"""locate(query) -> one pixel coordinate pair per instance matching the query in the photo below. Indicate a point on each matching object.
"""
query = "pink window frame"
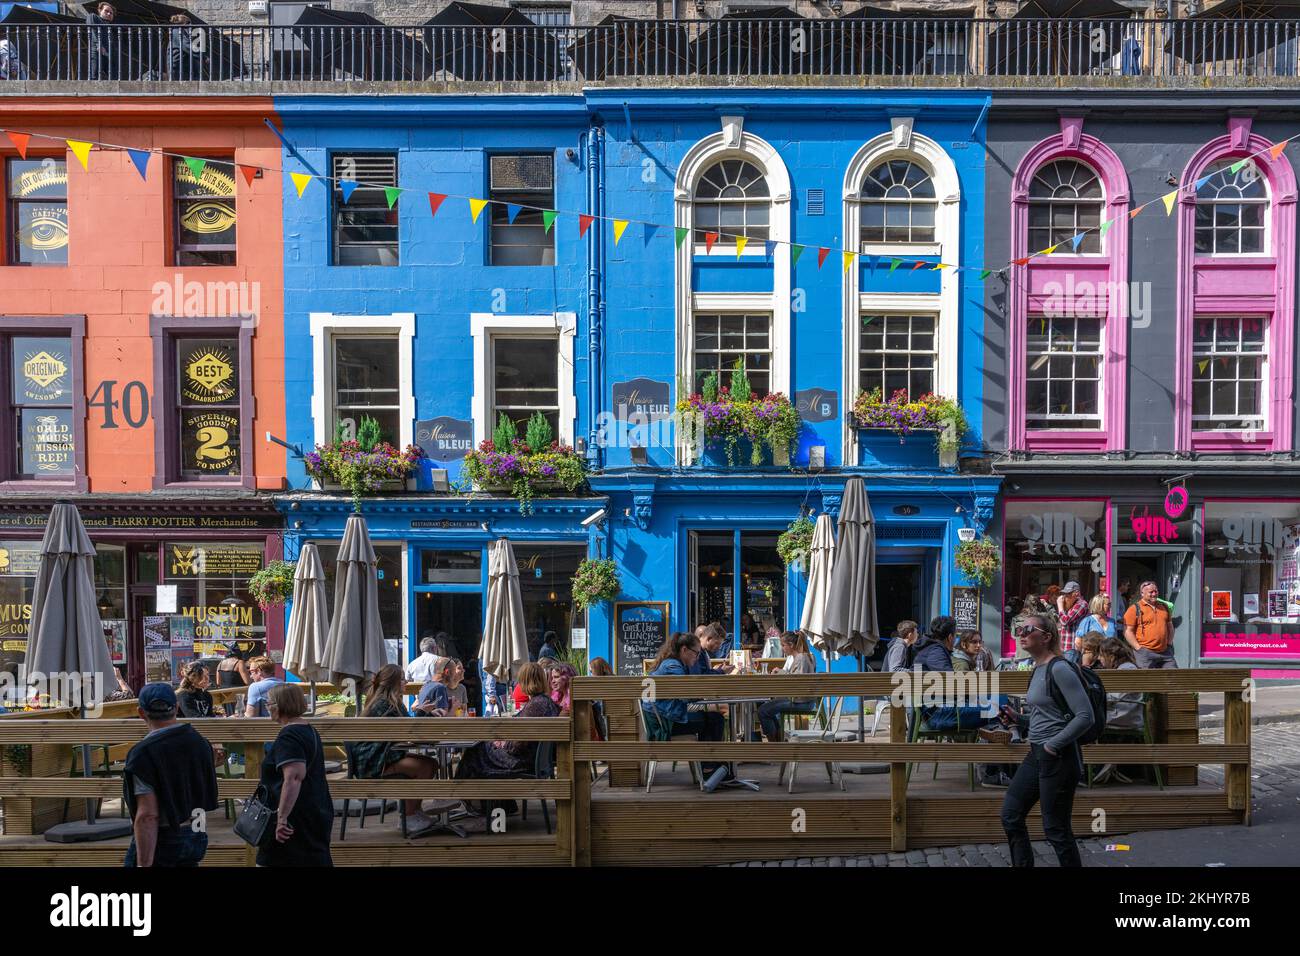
(1261, 286)
(1111, 267)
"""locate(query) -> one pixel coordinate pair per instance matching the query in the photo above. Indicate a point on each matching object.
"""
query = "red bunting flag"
(250, 173)
(918, 265)
(584, 223)
(1275, 151)
(1133, 215)
(436, 200)
(1020, 262)
(20, 141)
(822, 253)
(709, 239)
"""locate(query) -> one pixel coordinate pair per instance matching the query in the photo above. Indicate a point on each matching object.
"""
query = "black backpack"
(1096, 691)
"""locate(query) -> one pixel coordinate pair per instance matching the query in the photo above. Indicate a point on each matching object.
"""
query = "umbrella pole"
(85, 771)
(862, 703)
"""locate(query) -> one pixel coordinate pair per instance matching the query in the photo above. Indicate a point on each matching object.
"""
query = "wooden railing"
(610, 823)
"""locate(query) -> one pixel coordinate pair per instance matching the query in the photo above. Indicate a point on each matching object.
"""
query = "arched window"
(898, 203)
(732, 199)
(1065, 199)
(1231, 210)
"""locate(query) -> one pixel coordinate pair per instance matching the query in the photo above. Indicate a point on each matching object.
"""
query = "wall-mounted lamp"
(817, 458)
(439, 480)
(297, 451)
(639, 456)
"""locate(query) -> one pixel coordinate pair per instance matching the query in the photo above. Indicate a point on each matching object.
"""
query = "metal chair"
(825, 733)
(955, 735)
(543, 769)
(383, 803)
(697, 776)
(1140, 735)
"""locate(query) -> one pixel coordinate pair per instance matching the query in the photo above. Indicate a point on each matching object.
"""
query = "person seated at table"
(905, 635)
(560, 676)
(934, 652)
(1123, 711)
(549, 648)
(673, 717)
(456, 689)
(713, 646)
(968, 654)
(1086, 650)
(599, 667)
(420, 668)
(434, 699)
(374, 759)
(751, 635)
(511, 758)
(798, 660)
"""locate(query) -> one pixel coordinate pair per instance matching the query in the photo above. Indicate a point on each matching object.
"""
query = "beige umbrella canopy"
(66, 635)
(505, 640)
(355, 647)
(851, 605)
(305, 642)
(821, 561)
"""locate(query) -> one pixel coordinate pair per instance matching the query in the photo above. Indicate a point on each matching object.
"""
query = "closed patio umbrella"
(518, 49)
(821, 561)
(66, 647)
(851, 606)
(1051, 38)
(775, 41)
(625, 46)
(304, 644)
(369, 51)
(48, 45)
(505, 639)
(1238, 30)
(355, 646)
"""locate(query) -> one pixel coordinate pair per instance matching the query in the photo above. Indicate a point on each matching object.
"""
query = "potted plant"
(904, 417)
(273, 584)
(795, 542)
(730, 414)
(596, 581)
(363, 464)
(526, 465)
(979, 560)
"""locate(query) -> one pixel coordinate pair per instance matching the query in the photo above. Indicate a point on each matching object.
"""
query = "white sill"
(902, 248)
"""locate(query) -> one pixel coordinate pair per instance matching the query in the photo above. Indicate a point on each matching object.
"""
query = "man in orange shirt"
(1149, 629)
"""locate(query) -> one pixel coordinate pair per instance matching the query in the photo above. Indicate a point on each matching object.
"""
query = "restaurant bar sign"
(641, 401)
(215, 560)
(639, 630)
(818, 404)
(445, 439)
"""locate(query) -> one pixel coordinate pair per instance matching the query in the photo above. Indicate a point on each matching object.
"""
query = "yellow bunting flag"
(938, 266)
(1203, 365)
(1168, 199)
(81, 150)
(476, 207)
(741, 243)
(300, 181)
(1048, 251)
(848, 260)
(619, 226)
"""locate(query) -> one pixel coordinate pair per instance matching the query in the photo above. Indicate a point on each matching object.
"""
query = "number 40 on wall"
(134, 403)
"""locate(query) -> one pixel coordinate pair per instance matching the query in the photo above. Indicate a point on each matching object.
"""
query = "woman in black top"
(379, 758)
(192, 697)
(293, 776)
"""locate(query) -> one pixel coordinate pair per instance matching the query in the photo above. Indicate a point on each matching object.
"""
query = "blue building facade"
(723, 219)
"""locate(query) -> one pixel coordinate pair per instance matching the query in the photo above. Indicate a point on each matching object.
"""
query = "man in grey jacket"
(1050, 773)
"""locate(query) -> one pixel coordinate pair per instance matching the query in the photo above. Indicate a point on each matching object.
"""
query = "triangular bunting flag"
(619, 226)
(584, 223)
(1077, 240)
(985, 273)
(1105, 227)
(476, 208)
(1133, 214)
(549, 217)
(20, 141)
(81, 150)
(870, 261)
(512, 210)
(196, 166)
(1020, 262)
(250, 173)
(796, 251)
(769, 247)
(848, 260)
(347, 187)
(391, 193)
(1169, 199)
(1203, 365)
(1277, 150)
(141, 159)
(435, 200)
(1202, 181)
(300, 181)
(1236, 167)
(681, 234)
(709, 239)
(1048, 251)
(741, 243)
(894, 264)
(822, 253)
(918, 264)
(938, 266)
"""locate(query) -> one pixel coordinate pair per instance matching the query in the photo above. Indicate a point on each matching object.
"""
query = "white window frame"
(1102, 352)
(902, 143)
(1267, 203)
(731, 141)
(324, 327)
(1104, 202)
(1265, 384)
(485, 326)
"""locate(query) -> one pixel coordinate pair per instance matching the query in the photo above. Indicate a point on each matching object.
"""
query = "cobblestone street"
(1273, 839)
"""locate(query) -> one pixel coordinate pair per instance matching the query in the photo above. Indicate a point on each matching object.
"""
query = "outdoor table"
(745, 710)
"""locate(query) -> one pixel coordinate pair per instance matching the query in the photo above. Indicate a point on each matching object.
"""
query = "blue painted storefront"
(626, 149)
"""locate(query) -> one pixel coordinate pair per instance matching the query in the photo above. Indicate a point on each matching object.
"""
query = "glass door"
(455, 619)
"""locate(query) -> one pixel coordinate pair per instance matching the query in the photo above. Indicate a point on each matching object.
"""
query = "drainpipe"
(594, 159)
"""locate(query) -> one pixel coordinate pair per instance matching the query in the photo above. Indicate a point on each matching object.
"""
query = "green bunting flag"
(196, 166)
(1236, 167)
(985, 273)
(548, 219)
(391, 193)
(681, 234)
(894, 264)
(1105, 227)
(795, 252)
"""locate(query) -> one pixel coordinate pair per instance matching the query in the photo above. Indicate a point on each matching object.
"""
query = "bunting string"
(140, 158)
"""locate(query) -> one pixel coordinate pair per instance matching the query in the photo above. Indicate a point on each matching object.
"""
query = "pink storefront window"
(1067, 348)
(1236, 297)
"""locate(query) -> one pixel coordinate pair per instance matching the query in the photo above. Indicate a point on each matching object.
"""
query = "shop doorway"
(737, 578)
(898, 597)
(459, 615)
(1170, 570)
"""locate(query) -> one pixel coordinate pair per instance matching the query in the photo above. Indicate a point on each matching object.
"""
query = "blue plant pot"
(882, 450)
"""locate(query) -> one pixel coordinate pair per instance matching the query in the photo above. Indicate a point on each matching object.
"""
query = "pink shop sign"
(1282, 641)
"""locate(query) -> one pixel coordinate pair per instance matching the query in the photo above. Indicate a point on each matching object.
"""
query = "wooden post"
(253, 753)
(897, 783)
(624, 722)
(580, 832)
(1236, 730)
(564, 770)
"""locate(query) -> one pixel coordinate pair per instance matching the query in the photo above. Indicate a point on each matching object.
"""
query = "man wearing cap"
(169, 784)
(1071, 609)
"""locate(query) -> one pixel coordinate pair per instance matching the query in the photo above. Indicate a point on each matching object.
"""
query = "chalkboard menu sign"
(639, 630)
(966, 608)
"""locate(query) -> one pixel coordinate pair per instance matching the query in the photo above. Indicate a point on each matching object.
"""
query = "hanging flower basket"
(979, 560)
(596, 581)
(273, 584)
(795, 542)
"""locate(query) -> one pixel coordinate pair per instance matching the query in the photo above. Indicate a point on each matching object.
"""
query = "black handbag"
(254, 818)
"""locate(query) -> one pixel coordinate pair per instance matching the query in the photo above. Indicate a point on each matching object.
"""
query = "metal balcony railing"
(696, 52)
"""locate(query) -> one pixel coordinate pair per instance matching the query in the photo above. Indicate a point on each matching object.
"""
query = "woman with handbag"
(293, 787)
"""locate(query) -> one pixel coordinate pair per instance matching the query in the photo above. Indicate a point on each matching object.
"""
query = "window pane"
(204, 213)
(38, 211)
(207, 371)
(42, 370)
(526, 181)
(210, 442)
(526, 379)
(47, 443)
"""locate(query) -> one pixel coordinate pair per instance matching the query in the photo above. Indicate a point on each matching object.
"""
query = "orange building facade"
(142, 349)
